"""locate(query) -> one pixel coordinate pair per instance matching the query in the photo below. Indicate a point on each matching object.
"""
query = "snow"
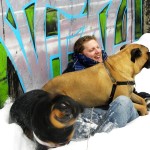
(142, 81)
(133, 136)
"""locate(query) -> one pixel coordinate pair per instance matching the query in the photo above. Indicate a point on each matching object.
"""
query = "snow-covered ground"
(134, 135)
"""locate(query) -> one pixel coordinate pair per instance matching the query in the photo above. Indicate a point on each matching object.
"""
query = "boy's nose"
(97, 50)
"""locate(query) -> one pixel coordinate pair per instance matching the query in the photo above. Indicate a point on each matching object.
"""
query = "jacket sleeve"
(69, 68)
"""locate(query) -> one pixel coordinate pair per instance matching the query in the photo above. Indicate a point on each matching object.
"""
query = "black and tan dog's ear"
(135, 53)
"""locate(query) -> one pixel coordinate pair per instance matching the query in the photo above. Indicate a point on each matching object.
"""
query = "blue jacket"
(80, 62)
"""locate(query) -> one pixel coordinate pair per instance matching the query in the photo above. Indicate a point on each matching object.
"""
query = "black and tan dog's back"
(44, 118)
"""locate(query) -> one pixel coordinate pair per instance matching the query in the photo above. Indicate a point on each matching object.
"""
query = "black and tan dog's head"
(49, 118)
(54, 118)
(140, 55)
(64, 110)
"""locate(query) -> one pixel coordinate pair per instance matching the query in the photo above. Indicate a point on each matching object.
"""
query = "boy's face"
(92, 50)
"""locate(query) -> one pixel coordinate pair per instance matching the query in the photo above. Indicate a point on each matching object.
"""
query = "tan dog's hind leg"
(139, 104)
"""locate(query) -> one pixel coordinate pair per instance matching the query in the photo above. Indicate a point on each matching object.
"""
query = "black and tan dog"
(47, 119)
(95, 86)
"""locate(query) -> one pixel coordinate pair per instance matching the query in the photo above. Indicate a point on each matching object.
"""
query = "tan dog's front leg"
(141, 109)
(139, 104)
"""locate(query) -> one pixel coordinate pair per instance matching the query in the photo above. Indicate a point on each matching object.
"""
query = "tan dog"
(92, 86)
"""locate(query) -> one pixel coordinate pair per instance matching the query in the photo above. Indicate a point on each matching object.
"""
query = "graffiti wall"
(37, 36)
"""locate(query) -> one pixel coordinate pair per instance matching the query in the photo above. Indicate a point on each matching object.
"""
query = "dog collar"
(115, 84)
(50, 144)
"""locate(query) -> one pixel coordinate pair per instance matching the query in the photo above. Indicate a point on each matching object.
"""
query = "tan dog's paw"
(143, 110)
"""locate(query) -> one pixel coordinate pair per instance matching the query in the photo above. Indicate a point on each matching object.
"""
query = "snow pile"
(132, 136)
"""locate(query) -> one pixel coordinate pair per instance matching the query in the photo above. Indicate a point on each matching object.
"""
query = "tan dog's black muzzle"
(147, 64)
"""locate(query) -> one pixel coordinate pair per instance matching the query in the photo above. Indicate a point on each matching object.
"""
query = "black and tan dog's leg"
(139, 104)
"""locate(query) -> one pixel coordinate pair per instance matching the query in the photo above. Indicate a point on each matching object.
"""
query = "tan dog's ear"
(135, 53)
(123, 46)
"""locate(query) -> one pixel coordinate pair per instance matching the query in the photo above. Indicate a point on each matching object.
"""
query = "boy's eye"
(91, 50)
